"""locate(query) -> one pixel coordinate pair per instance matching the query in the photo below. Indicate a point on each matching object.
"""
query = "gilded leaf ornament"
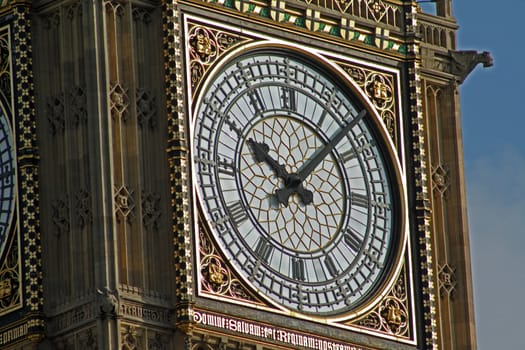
(10, 293)
(217, 277)
(206, 46)
(379, 87)
(391, 316)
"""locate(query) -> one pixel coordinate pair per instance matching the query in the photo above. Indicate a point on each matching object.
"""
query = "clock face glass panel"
(7, 180)
(294, 183)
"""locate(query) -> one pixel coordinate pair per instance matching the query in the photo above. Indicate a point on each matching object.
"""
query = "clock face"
(294, 184)
(7, 180)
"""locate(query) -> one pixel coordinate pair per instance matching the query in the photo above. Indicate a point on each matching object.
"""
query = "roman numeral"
(327, 106)
(288, 99)
(323, 116)
(225, 166)
(352, 240)
(354, 152)
(264, 249)
(359, 199)
(349, 155)
(330, 265)
(256, 101)
(298, 269)
(233, 125)
(237, 213)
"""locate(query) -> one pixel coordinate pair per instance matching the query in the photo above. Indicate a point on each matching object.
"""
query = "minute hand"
(320, 154)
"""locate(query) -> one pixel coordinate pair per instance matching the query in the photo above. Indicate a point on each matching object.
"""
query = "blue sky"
(494, 145)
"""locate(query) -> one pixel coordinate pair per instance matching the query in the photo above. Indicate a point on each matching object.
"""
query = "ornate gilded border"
(422, 211)
(27, 158)
(382, 90)
(354, 21)
(217, 278)
(206, 45)
(177, 150)
(393, 316)
(10, 264)
(30, 322)
(27, 153)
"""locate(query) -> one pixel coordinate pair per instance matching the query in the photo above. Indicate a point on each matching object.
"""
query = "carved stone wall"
(105, 189)
(449, 218)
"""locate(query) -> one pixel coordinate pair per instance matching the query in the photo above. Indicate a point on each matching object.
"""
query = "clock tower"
(233, 174)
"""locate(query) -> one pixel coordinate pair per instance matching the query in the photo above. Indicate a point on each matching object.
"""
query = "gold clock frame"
(349, 70)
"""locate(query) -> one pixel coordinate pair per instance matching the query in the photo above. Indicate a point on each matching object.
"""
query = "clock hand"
(260, 151)
(284, 193)
(321, 153)
(291, 182)
(294, 182)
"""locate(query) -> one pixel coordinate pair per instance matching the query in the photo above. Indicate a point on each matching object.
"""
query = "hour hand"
(293, 184)
(284, 194)
(260, 152)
